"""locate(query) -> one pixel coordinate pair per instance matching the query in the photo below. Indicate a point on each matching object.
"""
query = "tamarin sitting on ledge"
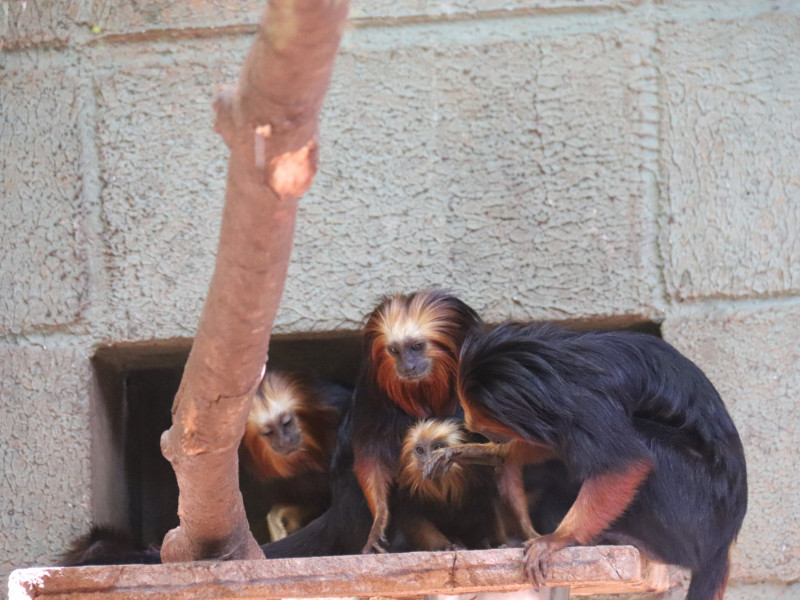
(411, 349)
(639, 425)
(287, 447)
(459, 510)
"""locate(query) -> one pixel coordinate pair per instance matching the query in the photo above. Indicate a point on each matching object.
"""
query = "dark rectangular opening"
(134, 486)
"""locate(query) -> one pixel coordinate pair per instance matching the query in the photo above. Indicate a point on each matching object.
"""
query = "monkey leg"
(425, 536)
(512, 490)
(375, 481)
(600, 501)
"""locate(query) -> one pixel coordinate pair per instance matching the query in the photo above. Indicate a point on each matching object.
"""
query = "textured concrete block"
(43, 272)
(163, 170)
(731, 180)
(752, 356)
(114, 17)
(44, 453)
(763, 591)
(444, 8)
(511, 169)
(128, 17)
(24, 23)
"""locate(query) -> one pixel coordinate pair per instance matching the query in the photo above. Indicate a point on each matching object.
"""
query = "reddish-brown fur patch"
(600, 501)
(427, 316)
(375, 483)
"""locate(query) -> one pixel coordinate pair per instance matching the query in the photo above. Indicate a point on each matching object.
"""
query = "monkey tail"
(709, 581)
(105, 545)
(330, 534)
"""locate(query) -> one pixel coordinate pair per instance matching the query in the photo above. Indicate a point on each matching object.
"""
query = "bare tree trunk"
(270, 122)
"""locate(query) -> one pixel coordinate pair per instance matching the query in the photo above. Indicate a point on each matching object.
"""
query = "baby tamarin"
(460, 509)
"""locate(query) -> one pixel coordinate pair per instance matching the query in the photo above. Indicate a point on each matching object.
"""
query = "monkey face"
(424, 449)
(474, 421)
(273, 416)
(282, 433)
(410, 359)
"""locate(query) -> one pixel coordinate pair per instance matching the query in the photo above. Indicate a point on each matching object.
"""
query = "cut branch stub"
(290, 174)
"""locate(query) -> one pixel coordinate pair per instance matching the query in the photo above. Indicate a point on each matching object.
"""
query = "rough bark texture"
(269, 121)
(586, 570)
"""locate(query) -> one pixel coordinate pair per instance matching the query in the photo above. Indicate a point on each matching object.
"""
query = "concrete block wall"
(608, 161)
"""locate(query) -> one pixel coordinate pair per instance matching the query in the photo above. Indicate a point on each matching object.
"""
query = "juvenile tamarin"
(640, 426)
(411, 348)
(460, 509)
(288, 443)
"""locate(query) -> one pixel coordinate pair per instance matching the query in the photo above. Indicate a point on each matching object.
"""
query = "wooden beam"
(586, 570)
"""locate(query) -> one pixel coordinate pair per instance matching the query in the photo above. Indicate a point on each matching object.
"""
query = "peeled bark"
(269, 120)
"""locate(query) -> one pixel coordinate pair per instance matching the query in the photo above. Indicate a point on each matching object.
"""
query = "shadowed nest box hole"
(133, 485)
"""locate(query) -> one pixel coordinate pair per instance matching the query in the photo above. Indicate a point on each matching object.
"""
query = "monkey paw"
(439, 464)
(537, 551)
(375, 546)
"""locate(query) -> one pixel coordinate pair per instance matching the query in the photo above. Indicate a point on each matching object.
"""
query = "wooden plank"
(586, 570)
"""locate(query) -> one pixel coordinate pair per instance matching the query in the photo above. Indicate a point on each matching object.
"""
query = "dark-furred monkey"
(639, 425)
(411, 348)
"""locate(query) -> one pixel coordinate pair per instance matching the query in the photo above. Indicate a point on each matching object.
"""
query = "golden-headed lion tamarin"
(637, 424)
(288, 443)
(291, 426)
(459, 509)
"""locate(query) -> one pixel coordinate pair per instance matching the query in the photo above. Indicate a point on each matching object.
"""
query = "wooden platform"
(586, 570)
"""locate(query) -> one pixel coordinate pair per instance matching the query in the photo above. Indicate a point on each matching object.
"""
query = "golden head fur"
(438, 321)
(421, 439)
(284, 397)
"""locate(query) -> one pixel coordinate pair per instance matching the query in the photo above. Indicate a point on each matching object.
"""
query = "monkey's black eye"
(419, 450)
(438, 445)
(417, 346)
(392, 350)
(286, 419)
(267, 432)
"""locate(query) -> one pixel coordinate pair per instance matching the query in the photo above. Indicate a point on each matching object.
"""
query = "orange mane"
(443, 322)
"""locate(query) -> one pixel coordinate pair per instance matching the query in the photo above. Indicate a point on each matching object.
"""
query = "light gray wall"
(610, 161)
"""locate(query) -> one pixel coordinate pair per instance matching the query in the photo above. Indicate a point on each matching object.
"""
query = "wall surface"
(612, 161)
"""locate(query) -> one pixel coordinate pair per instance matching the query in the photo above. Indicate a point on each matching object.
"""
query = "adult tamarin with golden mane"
(288, 443)
(461, 509)
(411, 348)
(639, 425)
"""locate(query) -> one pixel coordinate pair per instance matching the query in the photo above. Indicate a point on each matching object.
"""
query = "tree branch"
(269, 120)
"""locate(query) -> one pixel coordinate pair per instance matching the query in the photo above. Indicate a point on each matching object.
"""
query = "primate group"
(463, 435)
